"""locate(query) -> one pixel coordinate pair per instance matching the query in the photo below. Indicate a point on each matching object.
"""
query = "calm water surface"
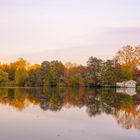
(69, 114)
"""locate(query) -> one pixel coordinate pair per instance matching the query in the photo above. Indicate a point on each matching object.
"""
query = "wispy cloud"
(124, 30)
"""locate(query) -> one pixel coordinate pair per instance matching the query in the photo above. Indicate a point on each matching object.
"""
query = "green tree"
(108, 75)
(94, 69)
(52, 72)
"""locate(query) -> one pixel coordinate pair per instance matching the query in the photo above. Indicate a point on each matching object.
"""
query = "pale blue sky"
(68, 30)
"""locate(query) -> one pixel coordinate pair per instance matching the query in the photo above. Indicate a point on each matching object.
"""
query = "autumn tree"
(3, 78)
(129, 56)
(21, 73)
(137, 54)
(71, 74)
(34, 78)
(129, 59)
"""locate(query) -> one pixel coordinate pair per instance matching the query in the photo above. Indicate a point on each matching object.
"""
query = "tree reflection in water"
(124, 108)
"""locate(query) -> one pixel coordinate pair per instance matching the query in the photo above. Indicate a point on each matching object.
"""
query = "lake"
(68, 114)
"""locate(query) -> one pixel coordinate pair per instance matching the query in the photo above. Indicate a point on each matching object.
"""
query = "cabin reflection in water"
(130, 91)
(123, 107)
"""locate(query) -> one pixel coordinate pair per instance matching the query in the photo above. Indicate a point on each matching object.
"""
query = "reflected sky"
(59, 114)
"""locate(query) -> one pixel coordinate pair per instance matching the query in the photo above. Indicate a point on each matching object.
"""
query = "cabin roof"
(131, 81)
(128, 81)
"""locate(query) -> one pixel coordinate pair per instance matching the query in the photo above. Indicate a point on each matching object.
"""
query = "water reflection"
(130, 91)
(123, 107)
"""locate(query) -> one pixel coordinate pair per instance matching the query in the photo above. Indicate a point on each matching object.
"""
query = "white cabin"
(127, 84)
(120, 84)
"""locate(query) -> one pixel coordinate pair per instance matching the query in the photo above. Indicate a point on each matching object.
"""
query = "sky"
(67, 30)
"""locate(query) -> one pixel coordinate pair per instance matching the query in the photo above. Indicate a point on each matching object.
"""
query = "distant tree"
(119, 74)
(3, 78)
(129, 56)
(83, 75)
(137, 54)
(94, 69)
(127, 72)
(137, 75)
(21, 77)
(52, 72)
(75, 75)
(56, 72)
(124, 66)
(108, 75)
(129, 59)
(34, 78)
(44, 72)
(21, 74)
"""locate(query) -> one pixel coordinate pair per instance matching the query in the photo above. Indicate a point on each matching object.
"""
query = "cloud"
(124, 30)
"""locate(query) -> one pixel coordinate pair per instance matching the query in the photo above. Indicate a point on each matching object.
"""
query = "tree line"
(124, 66)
